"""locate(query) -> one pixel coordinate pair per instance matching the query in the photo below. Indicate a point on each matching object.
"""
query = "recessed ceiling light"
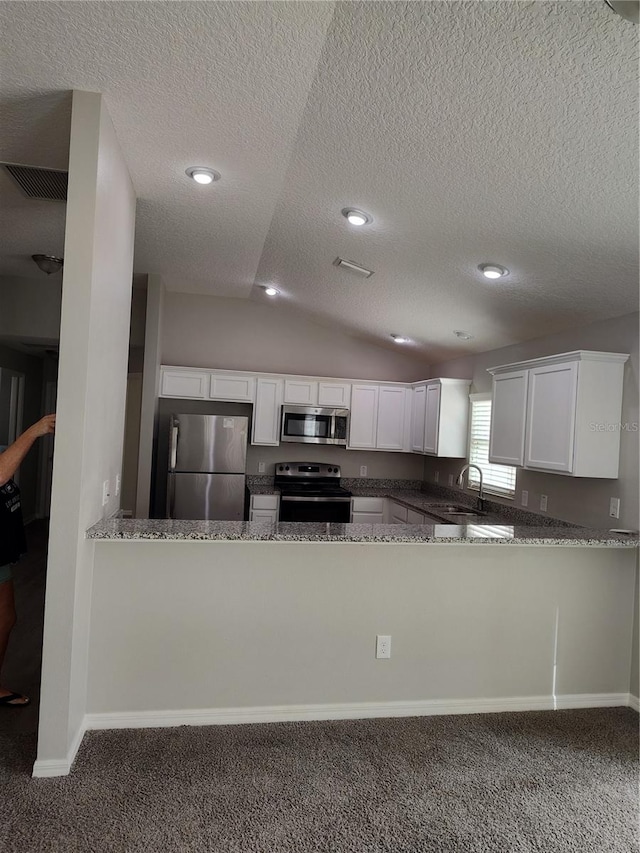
(399, 339)
(271, 291)
(356, 217)
(201, 175)
(493, 270)
(464, 336)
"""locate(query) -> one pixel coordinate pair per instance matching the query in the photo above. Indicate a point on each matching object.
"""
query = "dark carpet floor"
(563, 782)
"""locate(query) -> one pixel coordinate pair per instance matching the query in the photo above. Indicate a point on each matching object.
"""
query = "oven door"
(296, 508)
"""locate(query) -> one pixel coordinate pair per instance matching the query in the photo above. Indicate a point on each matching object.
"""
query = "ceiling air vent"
(39, 183)
(353, 267)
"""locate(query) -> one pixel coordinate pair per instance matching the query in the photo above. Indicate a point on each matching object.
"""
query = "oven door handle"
(313, 499)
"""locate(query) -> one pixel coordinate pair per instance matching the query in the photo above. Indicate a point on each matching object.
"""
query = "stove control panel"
(310, 470)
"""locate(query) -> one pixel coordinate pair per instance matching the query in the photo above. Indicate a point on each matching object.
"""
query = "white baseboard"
(349, 711)
(60, 766)
(634, 702)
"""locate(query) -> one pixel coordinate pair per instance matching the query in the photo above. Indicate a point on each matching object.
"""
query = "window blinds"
(496, 478)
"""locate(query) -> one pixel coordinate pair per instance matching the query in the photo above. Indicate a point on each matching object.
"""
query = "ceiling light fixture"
(201, 175)
(353, 267)
(464, 336)
(356, 217)
(48, 263)
(493, 270)
(271, 291)
(399, 339)
(628, 9)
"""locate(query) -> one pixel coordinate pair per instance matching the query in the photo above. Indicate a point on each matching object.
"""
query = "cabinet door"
(418, 411)
(367, 518)
(240, 388)
(508, 418)
(397, 513)
(432, 419)
(551, 413)
(183, 383)
(414, 517)
(301, 392)
(363, 423)
(335, 395)
(391, 418)
(266, 412)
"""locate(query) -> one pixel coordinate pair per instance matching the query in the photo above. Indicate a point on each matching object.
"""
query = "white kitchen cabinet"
(366, 510)
(508, 417)
(414, 517)
(446, 419)
(264, 508)
(380, 417)
(301, 392)
(418, 412)
(572, 413)
(232, 387)
(188, 384)
(334, 395)
(397, 513)
(266, 412)
(363, 423)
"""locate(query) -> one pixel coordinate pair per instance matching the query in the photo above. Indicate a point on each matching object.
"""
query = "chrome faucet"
(460, 482)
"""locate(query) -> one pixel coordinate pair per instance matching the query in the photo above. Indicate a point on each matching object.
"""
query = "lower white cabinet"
(414, 517)
(367, 510)
(266, 412)
(397, 513)
(264, 508)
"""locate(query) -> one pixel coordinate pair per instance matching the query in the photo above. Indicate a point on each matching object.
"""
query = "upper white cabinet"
(418, 411)
(191, 384)
(334, 395)
(232, 387)
(559, 414)
(301, 392)
(266, 412)
(380, 417)
(446, 417)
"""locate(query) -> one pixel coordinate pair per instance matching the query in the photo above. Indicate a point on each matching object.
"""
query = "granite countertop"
(120, 529)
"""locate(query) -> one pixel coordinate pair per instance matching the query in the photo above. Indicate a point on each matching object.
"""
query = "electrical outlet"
(525, 498)
(117, 484)
(614, 508)
(451, 480)
(363, 470)
(436, 476)
(105, 493)
(261, 467)
(383, 646)
(543, 503)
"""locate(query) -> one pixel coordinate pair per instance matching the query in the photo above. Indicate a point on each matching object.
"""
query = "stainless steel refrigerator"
(207, 462)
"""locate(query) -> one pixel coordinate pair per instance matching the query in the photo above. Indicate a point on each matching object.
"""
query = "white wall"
(224, 625)
(581, 500)
(239, 334)
(30, 307)
(94, 334)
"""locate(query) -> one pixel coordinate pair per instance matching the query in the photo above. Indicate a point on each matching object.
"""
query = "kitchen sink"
(453, 509)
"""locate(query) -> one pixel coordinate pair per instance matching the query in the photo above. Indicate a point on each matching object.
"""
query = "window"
(500, 479)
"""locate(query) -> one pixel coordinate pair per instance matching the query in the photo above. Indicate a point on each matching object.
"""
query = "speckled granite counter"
(167, 529)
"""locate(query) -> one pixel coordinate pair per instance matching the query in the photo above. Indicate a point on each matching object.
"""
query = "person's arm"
(11, 458)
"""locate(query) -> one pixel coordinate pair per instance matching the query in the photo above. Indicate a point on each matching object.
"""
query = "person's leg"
(7, 621)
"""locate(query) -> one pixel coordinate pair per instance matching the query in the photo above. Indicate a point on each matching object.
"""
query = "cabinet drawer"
(265, 501)
(367, 518)
(264, 515)
(367, 504)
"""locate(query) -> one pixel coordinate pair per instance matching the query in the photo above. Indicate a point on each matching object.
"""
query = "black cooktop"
(314, 490)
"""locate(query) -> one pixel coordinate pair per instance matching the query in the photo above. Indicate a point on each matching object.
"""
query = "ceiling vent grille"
(36, 182)
(353, 267)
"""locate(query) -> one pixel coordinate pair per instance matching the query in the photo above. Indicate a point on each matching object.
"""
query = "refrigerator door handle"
(173, 455)
(171, 495)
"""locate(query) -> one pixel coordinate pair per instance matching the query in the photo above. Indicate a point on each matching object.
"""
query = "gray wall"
(32, 369)
(30, 307)
(238, 334)
(583, 501)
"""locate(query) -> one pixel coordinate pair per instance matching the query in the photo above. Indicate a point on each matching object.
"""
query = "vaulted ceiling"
(470, 131)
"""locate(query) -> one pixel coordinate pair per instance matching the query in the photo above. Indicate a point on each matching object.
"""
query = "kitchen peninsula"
(241, 622)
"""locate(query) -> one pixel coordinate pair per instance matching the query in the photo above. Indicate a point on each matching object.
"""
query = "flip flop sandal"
(8, 701)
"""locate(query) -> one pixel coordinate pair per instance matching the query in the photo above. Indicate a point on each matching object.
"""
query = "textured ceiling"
(471, 131)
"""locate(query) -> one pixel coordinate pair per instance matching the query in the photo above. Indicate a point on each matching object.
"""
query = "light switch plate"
(614, 508)
(543, 503)
(261, 467)
(525, 498)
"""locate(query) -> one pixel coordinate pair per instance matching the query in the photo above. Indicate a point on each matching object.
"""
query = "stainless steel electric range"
(311, 491)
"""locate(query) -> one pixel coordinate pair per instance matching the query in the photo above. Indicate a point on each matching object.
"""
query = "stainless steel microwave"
(308, 425)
